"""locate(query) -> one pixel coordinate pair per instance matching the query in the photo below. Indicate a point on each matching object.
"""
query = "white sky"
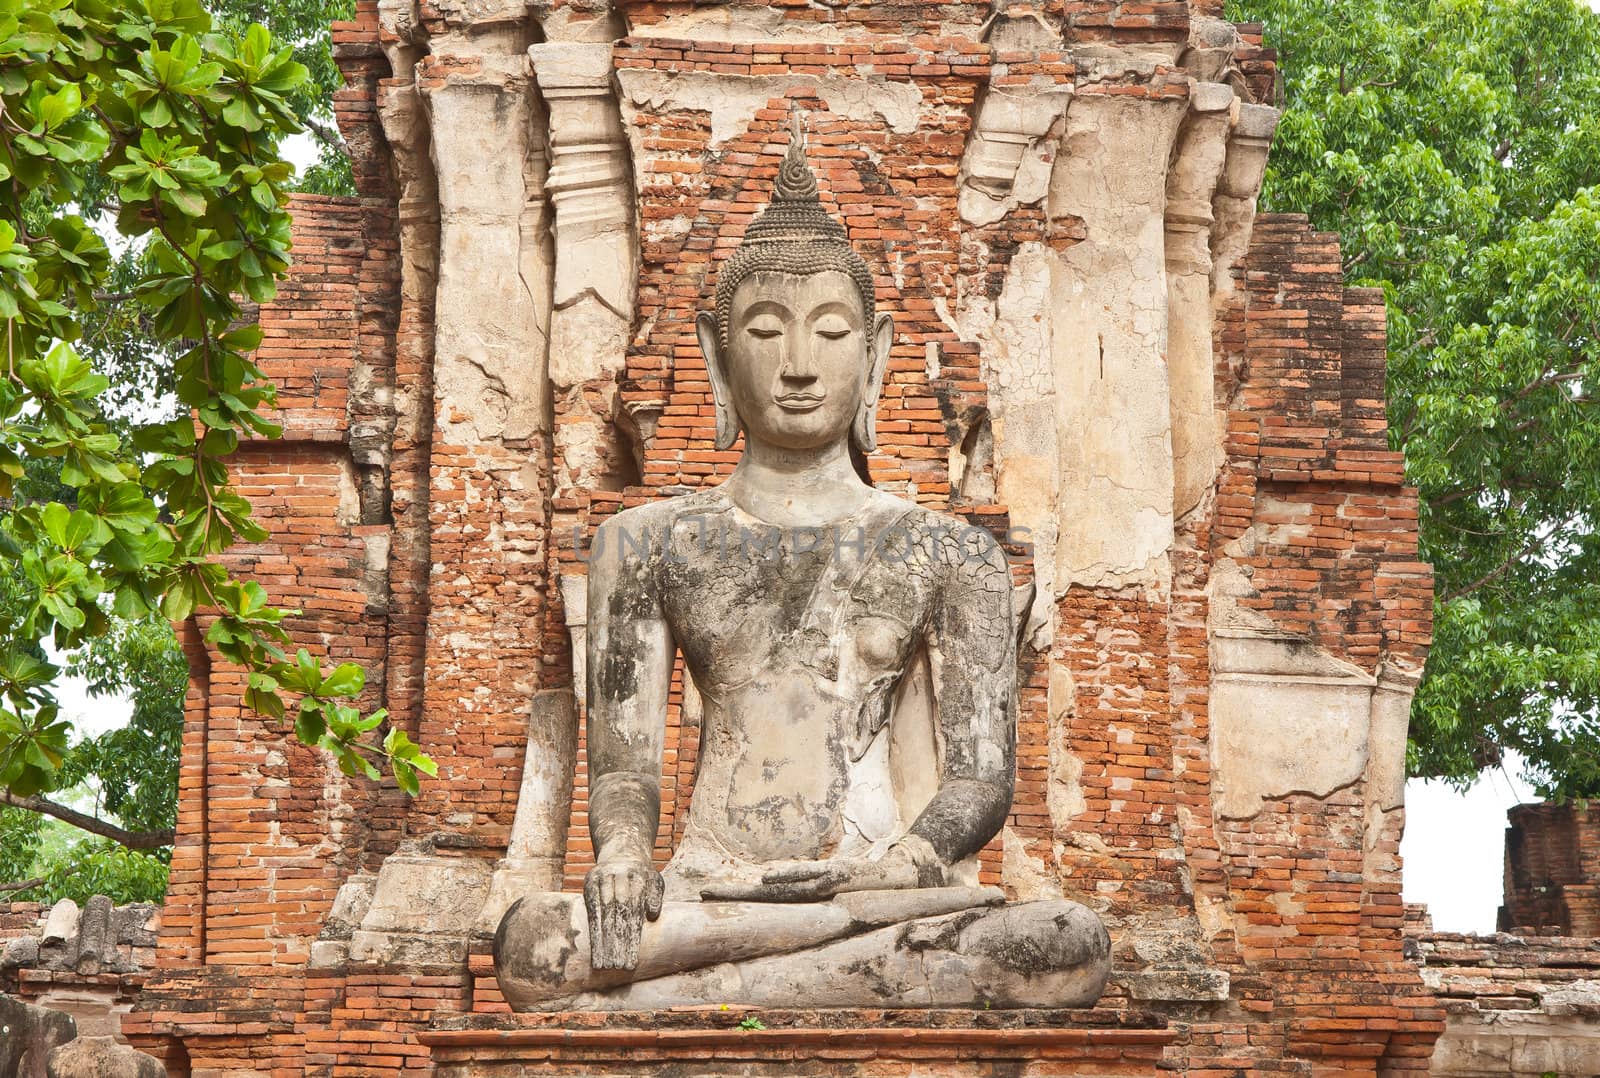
(1454, 847)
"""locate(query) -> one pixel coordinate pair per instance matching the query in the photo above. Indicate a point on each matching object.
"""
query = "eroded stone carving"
(1288, 717)
(28, 1035)
(1197, 163)
(101, 1057)
(1108, 303)
(855, 656)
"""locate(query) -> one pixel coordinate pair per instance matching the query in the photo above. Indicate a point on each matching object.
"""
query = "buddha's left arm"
(972, 652)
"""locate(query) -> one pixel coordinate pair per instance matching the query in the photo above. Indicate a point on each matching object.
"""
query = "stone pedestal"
(836, 1044)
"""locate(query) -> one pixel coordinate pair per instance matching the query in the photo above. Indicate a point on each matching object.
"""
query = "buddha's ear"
(865, 427)
(711, 347)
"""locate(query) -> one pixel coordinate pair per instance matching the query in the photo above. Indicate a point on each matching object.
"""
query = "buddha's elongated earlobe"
(711, 347)
(864, 431)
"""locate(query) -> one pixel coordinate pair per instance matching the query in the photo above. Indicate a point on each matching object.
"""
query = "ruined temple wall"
(1515, 1005)
(491, 350)
(89, 963)
(1552, 866)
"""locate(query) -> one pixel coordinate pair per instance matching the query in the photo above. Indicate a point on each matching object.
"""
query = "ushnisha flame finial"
(795, 214)
(796, 181)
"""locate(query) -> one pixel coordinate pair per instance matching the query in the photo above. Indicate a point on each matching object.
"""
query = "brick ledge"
(810, 1036)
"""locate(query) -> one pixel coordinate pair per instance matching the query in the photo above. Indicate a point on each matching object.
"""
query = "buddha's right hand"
(620, 895)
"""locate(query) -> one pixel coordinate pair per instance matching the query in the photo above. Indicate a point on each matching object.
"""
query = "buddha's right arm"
(630, 652)
(624, 810)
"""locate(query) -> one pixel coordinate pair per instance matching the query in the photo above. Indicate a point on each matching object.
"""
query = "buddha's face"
(801, 362)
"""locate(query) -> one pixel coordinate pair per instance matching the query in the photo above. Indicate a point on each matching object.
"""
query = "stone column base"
(818, 1044)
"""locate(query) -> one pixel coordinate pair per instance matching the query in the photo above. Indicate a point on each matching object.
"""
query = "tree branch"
(1495, 572)
(37, 881)
(324, 134)
(1454, 496)
(133, 840)
(1542, 382)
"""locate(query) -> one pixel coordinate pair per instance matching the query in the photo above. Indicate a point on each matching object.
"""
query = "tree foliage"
(146, 112)
(1456, 146)
(130, 772)
(305, 26)
(118, 339)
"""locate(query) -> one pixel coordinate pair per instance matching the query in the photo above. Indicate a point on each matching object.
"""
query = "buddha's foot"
(1035, 954)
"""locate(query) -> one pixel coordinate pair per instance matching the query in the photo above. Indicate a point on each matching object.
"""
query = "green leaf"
(311, 724)
(347, 679)
(310, 672)
(57, 108)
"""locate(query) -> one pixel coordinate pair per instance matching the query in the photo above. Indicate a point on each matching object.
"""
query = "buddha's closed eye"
(833, 328)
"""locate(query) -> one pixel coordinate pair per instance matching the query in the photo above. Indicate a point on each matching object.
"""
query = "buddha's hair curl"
(793, 235)
(801, 258)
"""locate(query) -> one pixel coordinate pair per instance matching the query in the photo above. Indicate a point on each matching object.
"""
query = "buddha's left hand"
(815, 881)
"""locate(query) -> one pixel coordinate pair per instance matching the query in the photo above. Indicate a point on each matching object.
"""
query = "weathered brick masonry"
(1516, 1006)
(89, 963)
(1552, 877)
(1099, 350)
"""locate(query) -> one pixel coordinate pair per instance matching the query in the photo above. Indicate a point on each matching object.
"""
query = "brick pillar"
(1552, 875)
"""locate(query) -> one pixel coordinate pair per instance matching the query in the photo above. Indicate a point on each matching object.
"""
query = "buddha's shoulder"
(951, 544)
(665, 512)
(915, 515)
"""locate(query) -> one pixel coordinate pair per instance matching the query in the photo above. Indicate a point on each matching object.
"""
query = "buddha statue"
(854, 656)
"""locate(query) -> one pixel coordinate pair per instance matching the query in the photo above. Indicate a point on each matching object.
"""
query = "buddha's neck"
(796, 488)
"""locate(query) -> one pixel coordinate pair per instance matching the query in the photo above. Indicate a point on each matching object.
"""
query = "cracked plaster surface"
(732, 100)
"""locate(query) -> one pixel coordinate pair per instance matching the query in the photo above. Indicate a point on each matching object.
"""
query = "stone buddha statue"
(855, 659)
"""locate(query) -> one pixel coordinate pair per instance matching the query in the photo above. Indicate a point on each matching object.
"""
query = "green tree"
(117, 337)
(305, 25)
(120, 844)
(1456, 146)
(147, 111)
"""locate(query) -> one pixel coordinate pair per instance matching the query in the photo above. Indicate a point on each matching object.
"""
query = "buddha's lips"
(798, 402)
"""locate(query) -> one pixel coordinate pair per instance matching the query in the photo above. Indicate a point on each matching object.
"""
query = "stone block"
(102, 1057)
(28, 1035)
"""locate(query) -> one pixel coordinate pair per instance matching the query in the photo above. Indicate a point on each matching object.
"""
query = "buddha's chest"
(829, 617)
(797, 648)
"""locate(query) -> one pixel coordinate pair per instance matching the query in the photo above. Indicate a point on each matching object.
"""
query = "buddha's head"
(795, 348)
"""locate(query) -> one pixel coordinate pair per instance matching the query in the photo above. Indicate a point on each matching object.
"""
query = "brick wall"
(90, 963)
(1552, 875)
(1514, 1005)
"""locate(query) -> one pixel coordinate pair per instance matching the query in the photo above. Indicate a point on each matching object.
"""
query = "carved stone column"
(1201, 151)
(487, 491)
(589, 185)
(1234, 206)
(596, 264)
(537, 849)
(1002, 168)
(1109, 341)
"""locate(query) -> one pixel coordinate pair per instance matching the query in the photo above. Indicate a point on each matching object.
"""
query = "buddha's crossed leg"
(936, 947)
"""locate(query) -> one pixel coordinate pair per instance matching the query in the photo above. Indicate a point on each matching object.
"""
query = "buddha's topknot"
(794, 234)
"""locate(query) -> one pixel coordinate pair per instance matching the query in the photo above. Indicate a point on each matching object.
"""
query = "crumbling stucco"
(1108, 300)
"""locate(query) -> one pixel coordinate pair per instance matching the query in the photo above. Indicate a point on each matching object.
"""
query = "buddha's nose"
(799, 365)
